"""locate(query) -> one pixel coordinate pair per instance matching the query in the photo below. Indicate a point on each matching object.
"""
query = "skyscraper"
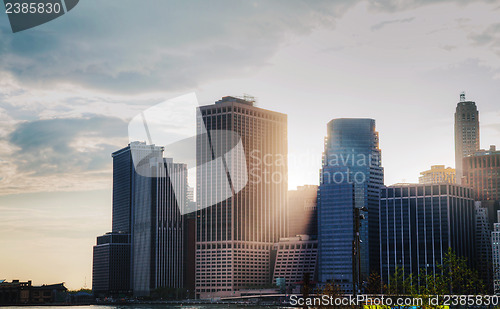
(145, 251)
(112, 253)
(466, 133)
(158, 227)
(418, 223)
(351, 178)
(235, 236)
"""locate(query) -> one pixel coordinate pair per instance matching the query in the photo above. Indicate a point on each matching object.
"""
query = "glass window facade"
(417, 230)
(351, 177)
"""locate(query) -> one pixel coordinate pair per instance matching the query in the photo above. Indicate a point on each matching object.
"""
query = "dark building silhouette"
(466, 133)
(23, 293)
(123, 177)
(146, 249)
(158, 228)
(483, 253)
(351, 178)
(302, 211)
(418, 223)
(111, 265)
(190, 254)
(112, 253)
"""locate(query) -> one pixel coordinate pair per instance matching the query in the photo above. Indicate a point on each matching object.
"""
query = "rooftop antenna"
(249, 98)
(462, 96)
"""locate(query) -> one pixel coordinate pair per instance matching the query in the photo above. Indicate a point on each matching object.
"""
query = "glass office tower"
(158, 227)
(418, 223)
(351, 178)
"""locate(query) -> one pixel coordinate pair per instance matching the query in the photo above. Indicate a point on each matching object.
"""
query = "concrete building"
(466, 133)
(350, 183)
(294, 257)
(495, 248)
(437, 174)
(235, 236)
(302, 211)
(418, 223)
(483, 257)
(482, 172)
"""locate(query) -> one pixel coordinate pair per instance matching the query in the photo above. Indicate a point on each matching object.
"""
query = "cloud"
(403, 5)
(67, 145)
(388, 22)
(123, 46)
(488, 36)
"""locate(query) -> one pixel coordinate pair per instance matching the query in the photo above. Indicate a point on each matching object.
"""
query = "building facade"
(294, 258)
(466, 133)
(235, 236)
(111, 265)
(495, 248)
(482, 172)
(418, 223)
(109, 254)
(351, 178)
(302, 211)
(146, 249)
(483, 257)
(158, 227)
(438, 174)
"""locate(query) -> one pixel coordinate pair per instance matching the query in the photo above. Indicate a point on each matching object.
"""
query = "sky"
(68, 89)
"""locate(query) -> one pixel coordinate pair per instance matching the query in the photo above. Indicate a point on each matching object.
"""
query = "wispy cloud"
(388, 22)
(489, 36)
(403, 5)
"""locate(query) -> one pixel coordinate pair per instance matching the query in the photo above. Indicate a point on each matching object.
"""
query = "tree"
(401, 283)
(458, 277)
(453, 276)
(333, 291)
(375, 284)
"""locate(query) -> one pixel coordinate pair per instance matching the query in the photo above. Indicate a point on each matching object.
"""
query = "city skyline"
(58, 126)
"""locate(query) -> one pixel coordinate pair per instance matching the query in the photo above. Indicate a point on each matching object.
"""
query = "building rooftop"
(248, 100)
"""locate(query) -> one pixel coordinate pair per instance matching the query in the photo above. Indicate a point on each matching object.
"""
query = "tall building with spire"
(235, 236)
(466, 133)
